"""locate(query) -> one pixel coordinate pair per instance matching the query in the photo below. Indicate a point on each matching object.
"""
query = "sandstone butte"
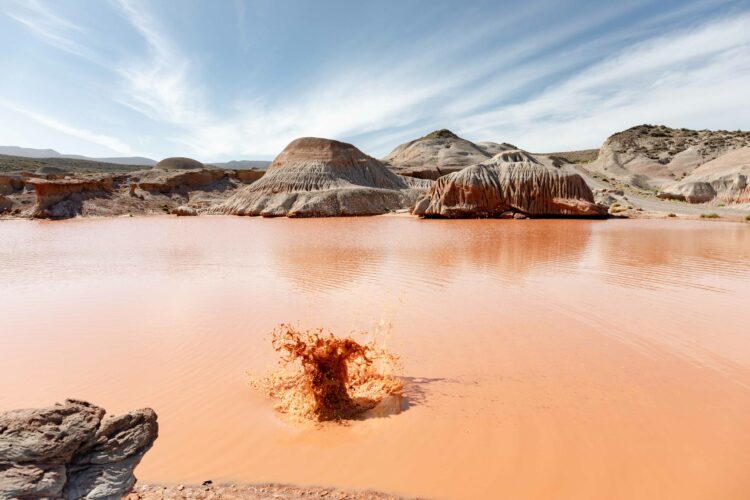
(314, 177)
(71, 451)
(510, 184)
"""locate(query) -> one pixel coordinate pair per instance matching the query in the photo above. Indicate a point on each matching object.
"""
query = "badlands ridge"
(643, 171)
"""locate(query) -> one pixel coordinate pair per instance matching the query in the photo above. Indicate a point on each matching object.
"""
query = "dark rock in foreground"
(71, 451)
(512, 184)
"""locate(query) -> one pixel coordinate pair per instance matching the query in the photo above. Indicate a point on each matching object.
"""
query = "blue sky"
(219, 80)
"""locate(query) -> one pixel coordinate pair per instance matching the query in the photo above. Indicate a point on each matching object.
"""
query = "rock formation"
(162, 181)
(438, 153)
(722, 180)
(145, 192)
(179, 163)
(185, 211)
(63, 197)
(47, 172)
(316, 177)
(6, 205)
(512, 184)
(247, 175)
(10, 183)
(653, 157)
(70, 451)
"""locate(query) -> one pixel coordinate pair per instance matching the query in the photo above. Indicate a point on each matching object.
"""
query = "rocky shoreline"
(232, 491)
(71, 451)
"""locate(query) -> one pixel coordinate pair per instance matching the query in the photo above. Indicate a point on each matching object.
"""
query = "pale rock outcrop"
(722, 180)
(185, 211)
(438, 153)
(653, 157)
(316, 177)
(511, 184)
(179, 163)
(71, 451)
(493, 148)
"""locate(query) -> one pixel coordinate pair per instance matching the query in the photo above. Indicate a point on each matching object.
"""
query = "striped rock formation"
(511, 184)
(316, 177)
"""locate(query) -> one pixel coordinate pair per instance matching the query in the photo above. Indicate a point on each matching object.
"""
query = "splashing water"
(323, 377)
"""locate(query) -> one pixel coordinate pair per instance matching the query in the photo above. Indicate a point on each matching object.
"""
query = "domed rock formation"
(316, 177)
(179, 163)
(512, 183)
(435, 154)
(71, 451)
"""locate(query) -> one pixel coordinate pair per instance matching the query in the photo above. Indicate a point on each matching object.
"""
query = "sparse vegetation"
(671, 214)
(712, 215)
(747, 217)
(18, 163)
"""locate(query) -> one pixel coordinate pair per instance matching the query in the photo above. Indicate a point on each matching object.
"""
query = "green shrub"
(710, 216)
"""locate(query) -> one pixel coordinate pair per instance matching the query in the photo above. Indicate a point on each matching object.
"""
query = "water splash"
(323, 377)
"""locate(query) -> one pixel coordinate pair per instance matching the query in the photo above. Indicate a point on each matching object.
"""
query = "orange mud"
(540, 359)
(324, 377)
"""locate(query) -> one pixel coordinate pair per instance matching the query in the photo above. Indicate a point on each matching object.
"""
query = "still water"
(542, 358)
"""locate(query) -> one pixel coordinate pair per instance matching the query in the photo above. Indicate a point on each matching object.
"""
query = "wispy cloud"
(112, 143)
(157, 85)
(49, 26)
(682, 77)
(554, 86)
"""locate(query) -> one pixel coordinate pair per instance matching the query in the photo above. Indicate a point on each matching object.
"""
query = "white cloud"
(695, 77)
(158, 85)
(464, 77)
(50, 27)
(111, 143)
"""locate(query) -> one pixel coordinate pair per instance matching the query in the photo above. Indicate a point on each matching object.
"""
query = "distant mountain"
(51, 153)
(242, 164)
(28, 152)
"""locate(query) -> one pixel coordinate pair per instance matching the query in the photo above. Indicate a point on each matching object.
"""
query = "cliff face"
(71, 451)
(50, 193)
(316, 177)
(512, 183)
(653, 157)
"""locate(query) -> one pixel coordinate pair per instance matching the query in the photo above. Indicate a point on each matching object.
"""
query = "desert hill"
(314, 177)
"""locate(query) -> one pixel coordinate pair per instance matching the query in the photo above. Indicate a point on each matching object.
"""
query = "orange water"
(544, 359)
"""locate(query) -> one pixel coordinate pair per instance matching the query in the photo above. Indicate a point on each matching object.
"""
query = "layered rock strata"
(512, 184)
(316, 177)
